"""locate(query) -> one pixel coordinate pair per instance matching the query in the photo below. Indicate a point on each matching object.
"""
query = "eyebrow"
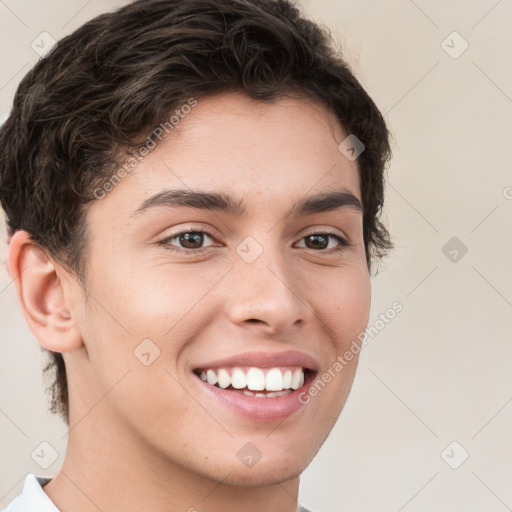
(219, 201)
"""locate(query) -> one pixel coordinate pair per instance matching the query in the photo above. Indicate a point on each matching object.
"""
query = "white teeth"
(211, 377)
(255, 379)
(297, 379)
(274, 380)
(238, 379)
(287, 379)
(267, 395)
(224, 378)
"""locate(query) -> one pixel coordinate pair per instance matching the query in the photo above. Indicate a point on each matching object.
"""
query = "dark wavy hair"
(84, 107)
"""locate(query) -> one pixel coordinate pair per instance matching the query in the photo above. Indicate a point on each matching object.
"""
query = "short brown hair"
(104, 88)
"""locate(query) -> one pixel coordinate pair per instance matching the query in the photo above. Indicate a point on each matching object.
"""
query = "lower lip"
(261, 409)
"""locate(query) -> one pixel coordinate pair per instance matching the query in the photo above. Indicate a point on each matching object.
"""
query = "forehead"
(263, 151)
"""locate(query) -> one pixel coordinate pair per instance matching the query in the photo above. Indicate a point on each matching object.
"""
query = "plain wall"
(440, 371)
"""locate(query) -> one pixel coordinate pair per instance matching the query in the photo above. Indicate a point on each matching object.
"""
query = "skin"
(147, 437)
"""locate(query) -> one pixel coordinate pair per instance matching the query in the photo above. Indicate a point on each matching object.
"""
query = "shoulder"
(32, 497)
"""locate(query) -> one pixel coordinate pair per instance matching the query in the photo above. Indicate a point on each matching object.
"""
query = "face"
(199, 306)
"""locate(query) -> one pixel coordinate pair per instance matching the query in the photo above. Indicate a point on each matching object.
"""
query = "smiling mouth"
(256, 382)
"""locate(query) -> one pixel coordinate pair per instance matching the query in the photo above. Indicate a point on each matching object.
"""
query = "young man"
(193, 191)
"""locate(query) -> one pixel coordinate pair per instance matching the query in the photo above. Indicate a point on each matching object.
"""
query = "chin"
(264, 476)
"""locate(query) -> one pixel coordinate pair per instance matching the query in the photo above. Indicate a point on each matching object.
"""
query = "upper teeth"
(255, 379)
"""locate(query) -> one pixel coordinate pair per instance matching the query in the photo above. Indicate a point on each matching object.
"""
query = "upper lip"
(264, 360)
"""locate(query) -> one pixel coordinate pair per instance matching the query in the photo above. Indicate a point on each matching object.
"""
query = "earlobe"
(42, 295)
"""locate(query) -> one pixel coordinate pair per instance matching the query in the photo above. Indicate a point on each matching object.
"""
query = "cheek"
(158, 301)
(343, 304)
(168, 301)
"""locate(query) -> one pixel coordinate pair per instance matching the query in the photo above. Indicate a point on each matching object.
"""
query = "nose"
(266, 293)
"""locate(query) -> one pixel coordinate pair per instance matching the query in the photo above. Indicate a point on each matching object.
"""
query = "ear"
(42, 296)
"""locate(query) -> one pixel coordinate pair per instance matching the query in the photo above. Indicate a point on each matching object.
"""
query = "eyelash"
(343, 243)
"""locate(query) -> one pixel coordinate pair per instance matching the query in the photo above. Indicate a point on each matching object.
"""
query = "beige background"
(441, 370)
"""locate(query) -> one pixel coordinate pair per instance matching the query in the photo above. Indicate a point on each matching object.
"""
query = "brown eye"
(188, 241)
(321, 241)
(191, 240)
(317, 241)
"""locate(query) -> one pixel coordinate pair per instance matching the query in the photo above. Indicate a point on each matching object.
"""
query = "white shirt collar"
(32, 497)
